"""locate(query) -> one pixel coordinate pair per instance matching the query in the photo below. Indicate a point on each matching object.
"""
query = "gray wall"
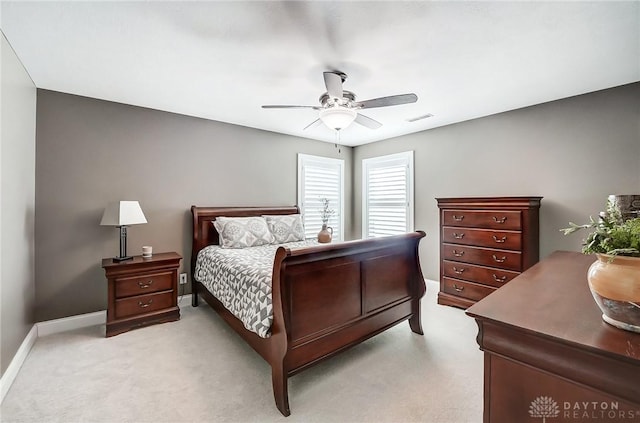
(90, 152)
(17, 193)
(573, 152)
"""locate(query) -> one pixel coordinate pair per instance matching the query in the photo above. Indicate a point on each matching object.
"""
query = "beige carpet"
(198, 370)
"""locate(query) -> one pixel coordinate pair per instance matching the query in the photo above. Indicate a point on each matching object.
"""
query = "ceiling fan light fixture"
(338, 117)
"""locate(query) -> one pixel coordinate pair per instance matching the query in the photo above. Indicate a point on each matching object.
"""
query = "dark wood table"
(549, 356)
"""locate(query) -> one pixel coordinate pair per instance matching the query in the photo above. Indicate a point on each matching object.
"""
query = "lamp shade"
(337, 117)
(123, 213)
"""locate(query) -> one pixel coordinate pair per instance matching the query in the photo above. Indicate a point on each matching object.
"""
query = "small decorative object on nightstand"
(142, 291)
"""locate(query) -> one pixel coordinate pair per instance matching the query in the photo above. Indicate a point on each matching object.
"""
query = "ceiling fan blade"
(393, 100)
(333, 82)
(312, 124)
(367, 121)
(280, 106)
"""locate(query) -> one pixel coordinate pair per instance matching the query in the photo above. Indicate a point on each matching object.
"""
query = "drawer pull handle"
(458, 236)
(499, 279)
(458, 288)
(499, 260)
(458, 218)
(143, 285)
(459, 271)
(502, 220)
(501, 240)
(144, 305)
(458, 253)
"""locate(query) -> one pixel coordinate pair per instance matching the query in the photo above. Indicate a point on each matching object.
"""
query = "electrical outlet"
(183, 278)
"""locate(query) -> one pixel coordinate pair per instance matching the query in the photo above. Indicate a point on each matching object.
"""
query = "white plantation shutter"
(387, 195)
(318, 178)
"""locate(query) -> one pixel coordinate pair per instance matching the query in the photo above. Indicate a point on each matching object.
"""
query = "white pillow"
(285, 228)
(241, 232)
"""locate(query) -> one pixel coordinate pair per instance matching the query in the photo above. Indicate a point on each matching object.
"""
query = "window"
(387, 195)
(318, 178)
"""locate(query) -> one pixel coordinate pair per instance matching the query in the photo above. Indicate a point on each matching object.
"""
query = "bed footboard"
(331, 297)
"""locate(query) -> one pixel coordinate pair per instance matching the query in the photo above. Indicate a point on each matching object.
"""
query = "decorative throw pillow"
(241, 232)
(285, 228)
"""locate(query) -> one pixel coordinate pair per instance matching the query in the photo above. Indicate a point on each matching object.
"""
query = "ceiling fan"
(338, 108)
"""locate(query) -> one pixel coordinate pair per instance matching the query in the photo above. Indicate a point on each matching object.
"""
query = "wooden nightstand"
(142, 291)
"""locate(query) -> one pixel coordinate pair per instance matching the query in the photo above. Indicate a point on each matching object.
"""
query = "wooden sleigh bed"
(326, 298)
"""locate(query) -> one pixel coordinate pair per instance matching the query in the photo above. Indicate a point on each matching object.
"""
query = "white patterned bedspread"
(241, 279)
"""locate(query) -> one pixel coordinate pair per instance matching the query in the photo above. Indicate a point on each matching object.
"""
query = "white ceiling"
(223, 60)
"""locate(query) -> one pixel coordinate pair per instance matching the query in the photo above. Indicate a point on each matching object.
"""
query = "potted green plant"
(614, 278)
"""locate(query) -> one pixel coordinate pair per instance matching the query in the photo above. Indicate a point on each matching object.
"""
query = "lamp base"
(119, 259)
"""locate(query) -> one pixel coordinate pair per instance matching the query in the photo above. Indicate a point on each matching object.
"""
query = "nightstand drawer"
(143, 304)
(470, 290)
(143, 284)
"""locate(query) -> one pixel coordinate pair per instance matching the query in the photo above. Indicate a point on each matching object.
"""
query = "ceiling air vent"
(428, 115)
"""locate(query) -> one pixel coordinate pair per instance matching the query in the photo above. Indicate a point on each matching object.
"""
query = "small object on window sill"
(325, 234)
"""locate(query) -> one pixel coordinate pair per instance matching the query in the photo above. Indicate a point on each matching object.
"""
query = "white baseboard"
(70, 323)
(85, 320)
(184, 300)
(16, 363)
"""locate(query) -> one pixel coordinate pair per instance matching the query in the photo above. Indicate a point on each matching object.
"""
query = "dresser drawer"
(143, 304)
(469, 290)
(502, 259)
(507, 220)
(143, 284)
(506, 240)
(479, 274)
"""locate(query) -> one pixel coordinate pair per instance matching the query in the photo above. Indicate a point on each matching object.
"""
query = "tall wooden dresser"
(484, 243)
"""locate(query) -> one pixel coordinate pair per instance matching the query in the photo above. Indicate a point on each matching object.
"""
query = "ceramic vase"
(325, 234)
(615, 285)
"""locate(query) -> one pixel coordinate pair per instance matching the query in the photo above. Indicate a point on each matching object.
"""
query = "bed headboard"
(204, 233)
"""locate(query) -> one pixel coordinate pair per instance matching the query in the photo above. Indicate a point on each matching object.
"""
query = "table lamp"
(122, 214)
